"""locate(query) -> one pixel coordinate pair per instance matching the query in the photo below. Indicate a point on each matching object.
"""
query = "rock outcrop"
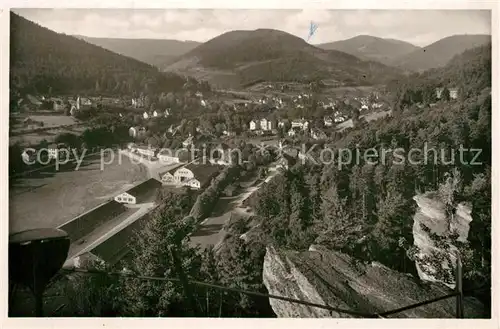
(435, 235)
(332, 278)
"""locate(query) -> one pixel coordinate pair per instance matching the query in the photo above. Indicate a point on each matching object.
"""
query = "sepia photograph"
(250, 163)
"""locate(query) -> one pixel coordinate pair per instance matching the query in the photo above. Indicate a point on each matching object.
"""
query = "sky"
(419, 27)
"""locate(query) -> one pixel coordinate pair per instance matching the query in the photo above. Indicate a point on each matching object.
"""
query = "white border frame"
(6, 322)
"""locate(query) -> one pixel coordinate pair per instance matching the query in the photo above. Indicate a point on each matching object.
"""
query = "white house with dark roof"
(141, 193)
(328, 121)
(254, 125)
(263, 124)
(453, 92)
(28, 155)
(302, 124)
(195, 176)
(168, 177)
(188, 141)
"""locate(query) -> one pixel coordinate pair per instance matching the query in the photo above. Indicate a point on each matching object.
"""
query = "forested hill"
(439, 53)
(44, 61)
(366, 209)
(273, 55)
(469, 73)
(157, 52)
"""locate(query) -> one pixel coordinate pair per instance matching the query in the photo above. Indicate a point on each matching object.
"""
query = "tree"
(445, 94)
(94, 295)
(337, 229)
(240, 266)
(393, 224)
(448, 192)
(163, 232)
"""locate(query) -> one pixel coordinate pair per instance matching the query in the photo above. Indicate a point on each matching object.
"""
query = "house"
(293, 131)
(281, 124)
(453, 93)
(146, 150)
(328, 121)
(168, 178)
(199, 94)
(53, 150)
(285, 162)
(264, 124)
(136, 131)
(203, 103)
(138, 102)
(254, 125)
(302, 124)
(141, 193)
(229, 133)
(28, 156)
(363, 107)
(155, 114)
(83, 103)
(166, 157)
(318, 134)
(188, 141)
(179, 156)
(133, 131)
(58, 104)
(167, 113)
(195, 176)
(339, 119)
(131, 147)
(145, 115)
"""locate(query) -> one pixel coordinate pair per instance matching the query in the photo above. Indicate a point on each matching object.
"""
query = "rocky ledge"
(329, 277)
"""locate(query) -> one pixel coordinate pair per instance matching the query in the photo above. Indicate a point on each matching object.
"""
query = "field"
(48, 120)
(49, 135)
(48, 198)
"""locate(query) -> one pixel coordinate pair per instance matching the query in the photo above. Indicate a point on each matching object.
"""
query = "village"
(179, 152)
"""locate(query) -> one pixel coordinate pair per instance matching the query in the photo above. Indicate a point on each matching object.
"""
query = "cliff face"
(435, 256)
(328, 277)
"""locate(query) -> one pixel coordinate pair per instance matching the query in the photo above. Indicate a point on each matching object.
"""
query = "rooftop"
(203, 172)
(144, 187)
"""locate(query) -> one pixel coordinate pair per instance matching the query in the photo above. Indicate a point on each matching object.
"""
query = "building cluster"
(164, 156)
(261, 125)
(156, 114)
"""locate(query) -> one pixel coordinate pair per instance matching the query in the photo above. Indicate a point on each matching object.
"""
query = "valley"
(256, 160)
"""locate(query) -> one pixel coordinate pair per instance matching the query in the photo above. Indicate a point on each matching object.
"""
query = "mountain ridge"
(157, 52)
(440, 52)
(275, 55)
(42, 60)
(369, 47)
